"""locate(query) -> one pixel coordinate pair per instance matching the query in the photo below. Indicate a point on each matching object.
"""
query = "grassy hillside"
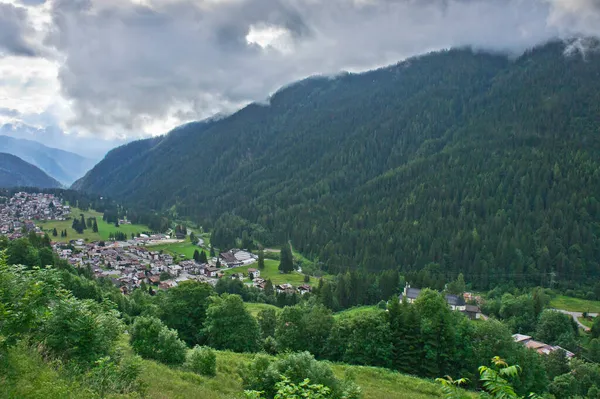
(25, 375)
(376, 383)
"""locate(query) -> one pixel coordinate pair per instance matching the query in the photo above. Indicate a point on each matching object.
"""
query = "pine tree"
(54, 232)
(286, 265)
(261, 259)
(95, 226)
(269, 288)
(203, 258)
(196, 255)
(82, 222)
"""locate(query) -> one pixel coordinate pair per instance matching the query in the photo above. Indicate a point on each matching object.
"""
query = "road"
(576, 316)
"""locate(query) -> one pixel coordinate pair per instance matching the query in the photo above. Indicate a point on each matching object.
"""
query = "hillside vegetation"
(26, 375)
(464, 161)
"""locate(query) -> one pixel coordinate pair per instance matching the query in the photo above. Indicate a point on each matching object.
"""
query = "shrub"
(81, 330)
(202, 360)
(151, 339)
(263, 375)
(270, 346)
(108, 376)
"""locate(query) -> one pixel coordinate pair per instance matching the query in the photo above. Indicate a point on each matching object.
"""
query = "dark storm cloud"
(127, 64)
(14, 30)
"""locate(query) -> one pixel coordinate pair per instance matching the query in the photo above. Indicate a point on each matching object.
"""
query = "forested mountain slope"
(14, 172)
(467, 160)
(62, 165)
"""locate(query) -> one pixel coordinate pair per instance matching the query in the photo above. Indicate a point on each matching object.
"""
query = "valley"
(427, 229)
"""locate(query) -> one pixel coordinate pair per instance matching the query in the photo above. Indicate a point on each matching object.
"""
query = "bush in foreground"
(264, 374)
(151, 339)
(202, 360)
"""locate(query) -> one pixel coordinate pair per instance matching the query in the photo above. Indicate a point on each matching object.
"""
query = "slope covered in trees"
(14, 172)
(460, 161)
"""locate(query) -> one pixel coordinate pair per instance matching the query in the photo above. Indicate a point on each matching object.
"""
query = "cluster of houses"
(539, 347)
(455, 302)
(236, 258)
(130, 266)
(23, 209)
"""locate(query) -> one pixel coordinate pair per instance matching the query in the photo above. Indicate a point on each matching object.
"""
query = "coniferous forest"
(456, 161)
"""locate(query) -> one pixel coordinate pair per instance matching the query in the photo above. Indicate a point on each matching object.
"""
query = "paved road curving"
(576, 316)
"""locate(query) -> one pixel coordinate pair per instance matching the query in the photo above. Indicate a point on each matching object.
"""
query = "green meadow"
(575, 304)
(271, 271)
(104, 229)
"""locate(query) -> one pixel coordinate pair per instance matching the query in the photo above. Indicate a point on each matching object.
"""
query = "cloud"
(9, 112)
(33, 2)
(15, 29)
(144, 66)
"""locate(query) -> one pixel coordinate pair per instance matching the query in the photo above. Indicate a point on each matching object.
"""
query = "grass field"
(271, 272)
(575, 304)
(104, 229)
(358, 310)
(164, 382)
(181, 248)
(254, 308)
(24, 374)
(586, 322)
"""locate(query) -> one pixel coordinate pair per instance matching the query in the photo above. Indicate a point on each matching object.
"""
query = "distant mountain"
(455, 161)
(64, 166)
(14, 172)
(93, 147)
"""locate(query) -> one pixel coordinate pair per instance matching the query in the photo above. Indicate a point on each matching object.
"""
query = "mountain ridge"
(15, 172)
(63, 165)
(430, 164)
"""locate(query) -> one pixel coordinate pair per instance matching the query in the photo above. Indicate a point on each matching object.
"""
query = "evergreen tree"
(269, 290)
(54, 232)
(95, 226)
(212, 251)
(286, 265)
(261, 259)
(196, 255)
(82, 222)
(203, 258)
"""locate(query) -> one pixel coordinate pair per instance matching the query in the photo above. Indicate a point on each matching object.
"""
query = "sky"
(86, 75)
